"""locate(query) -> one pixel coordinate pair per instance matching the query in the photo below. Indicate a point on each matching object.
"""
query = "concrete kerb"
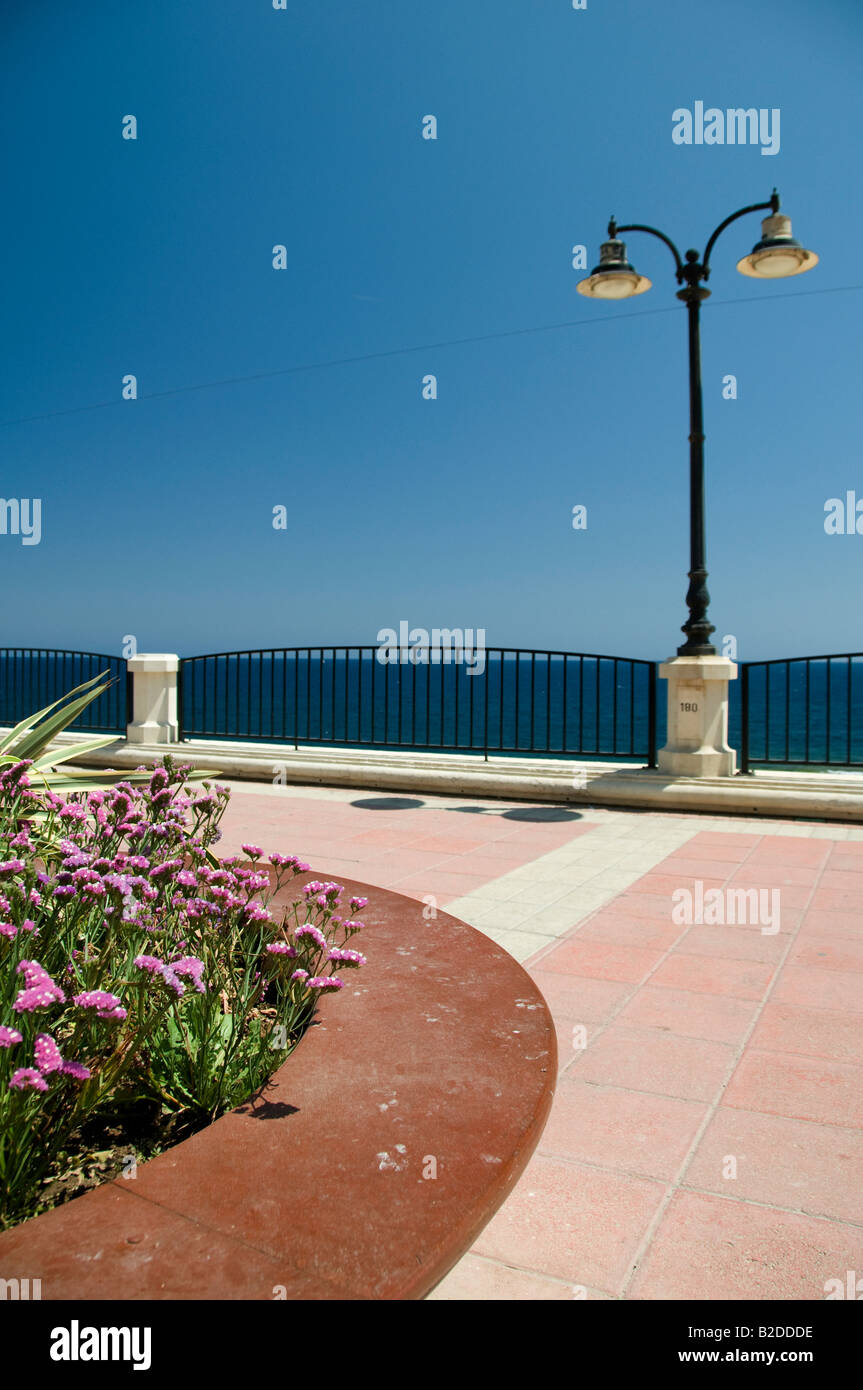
(806, 795)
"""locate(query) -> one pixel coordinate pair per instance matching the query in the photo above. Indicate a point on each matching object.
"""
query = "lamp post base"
(697, 744)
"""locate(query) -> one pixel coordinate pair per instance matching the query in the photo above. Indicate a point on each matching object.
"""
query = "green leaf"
(75, 750)
(29, 720)
(36, 740)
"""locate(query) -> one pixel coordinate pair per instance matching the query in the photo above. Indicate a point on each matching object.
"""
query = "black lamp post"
(775, 256)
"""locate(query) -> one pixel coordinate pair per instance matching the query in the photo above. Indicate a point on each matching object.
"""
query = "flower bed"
(367, 1165)
(141, 979)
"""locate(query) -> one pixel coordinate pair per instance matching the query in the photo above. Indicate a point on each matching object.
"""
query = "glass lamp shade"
(777, 254)
(614, 277)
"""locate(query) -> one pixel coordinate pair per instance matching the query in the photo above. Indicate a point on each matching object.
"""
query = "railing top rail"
(790, 660)
(375, 646)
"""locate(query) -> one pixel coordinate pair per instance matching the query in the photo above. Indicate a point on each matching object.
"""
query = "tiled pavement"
(706, 1139)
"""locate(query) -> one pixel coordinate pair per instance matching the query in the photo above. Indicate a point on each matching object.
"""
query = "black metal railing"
(33, 677)
(805, 711)
(500, 700)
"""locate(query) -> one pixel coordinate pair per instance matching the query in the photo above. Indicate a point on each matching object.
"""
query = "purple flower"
(192, 968)
(8, 929)
(12, 866)
(81, 1073)
(106, 1005)
(324, 982)
(47, 1054)
(9, 1036)
(253, 851)
(281, 948)
(301, 975)
(41, 989)
(167, 868)
(347, 956)
(151, 963)
(357, 904)
(255, 912)
(314, 932)
(27, 1078)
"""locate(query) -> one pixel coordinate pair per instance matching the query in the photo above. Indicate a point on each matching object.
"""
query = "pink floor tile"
(822, 989)
(734, 943)
(601, 960)
(828, 953)
(584, 1001)
(793, 850)
(713, 1248)
(701, 850)
(707, 975)
(578, 1224)
(723, 839)
(647, 1059)
(637, 905)
(803, 1088)
(486, 866)
(448, 844)
(618, 927)
(849, 924)
(477, 1280)
(846, 863)
(388, 837)
(683, 866)
(809, 1032)
(846, 882)
(781, 1162)
(835, 900)
(645, 1135)
(666, 884)
(444, 885)
(716, 1018)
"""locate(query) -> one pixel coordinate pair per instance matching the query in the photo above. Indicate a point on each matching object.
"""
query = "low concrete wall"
(806, 795)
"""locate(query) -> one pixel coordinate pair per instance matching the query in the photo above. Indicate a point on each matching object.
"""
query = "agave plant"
(31, 737)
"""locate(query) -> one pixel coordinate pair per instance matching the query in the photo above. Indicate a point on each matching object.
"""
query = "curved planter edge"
(366, 1166)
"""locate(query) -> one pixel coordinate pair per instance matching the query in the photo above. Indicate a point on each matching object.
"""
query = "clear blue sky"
(303, 127)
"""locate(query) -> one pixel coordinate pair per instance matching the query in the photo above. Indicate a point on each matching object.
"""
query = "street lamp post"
(698, 744)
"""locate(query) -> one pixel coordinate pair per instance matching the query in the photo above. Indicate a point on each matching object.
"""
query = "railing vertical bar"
(829, 697)
(848, 733)
(807, 708)
(767, 713)
(787, 707)
(485, 714)
(651, 714)
(596, 739)
(744, 717)
(502, 669)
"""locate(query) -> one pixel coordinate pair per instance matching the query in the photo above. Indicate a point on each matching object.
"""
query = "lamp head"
(614, 277)
(777, 254)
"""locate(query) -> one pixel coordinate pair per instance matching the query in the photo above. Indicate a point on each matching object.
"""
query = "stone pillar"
(154, 698)
(697, 743)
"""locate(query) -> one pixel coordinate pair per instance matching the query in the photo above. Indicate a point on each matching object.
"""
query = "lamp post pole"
(698, 677)
(691, 272)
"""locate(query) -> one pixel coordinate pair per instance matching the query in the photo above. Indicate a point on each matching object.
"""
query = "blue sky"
(302, 127)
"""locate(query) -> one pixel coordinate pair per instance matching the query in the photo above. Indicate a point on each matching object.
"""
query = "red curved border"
(439, 1056)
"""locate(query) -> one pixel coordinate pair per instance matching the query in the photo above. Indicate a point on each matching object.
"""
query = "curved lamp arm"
(773, 204)
(613, 230)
